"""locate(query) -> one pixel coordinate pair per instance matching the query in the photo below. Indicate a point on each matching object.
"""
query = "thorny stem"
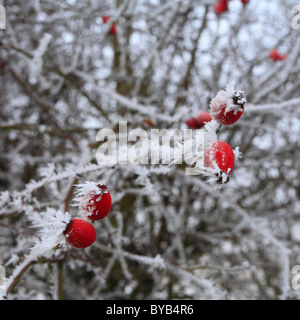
(18, 277)
(26, 266)
(69, 194)
(60, 289)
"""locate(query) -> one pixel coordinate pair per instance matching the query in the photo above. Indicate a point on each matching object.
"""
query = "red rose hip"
(80, 233)
(221, 6)
(113, 29)
(203, 118)
(105, 19)
(192, 123)
(96, 204)
(228, 117)
(228, 106)
(219, 156)
(276, 56)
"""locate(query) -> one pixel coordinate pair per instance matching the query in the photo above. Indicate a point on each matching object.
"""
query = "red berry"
(228, 106)
(221, 6)
(105, 19)
(229, 117)
(203, 118)
(80, 233)
(275, 56)
(192, 123)
(219, 155)
(96, 204)
(245, 1)
(113, 29)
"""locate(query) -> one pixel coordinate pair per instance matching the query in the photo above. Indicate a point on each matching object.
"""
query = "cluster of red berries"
(226, 108)
(222, 6)
(113, 29)
(276, 56)
(93, 206)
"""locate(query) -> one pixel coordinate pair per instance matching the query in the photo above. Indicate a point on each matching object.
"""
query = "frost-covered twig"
(285, 72)
(54, 177)
(159, 263)
(263, 232)
(36, 64)
(51, 227)
(273, 107)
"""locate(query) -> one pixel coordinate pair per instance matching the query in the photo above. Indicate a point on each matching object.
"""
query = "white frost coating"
(225, 97)
(4, 198)
(295, 232)
(36, 63)
(84, 193)
(237, 154)
(52, 225)
(210, 134)
(159, 263)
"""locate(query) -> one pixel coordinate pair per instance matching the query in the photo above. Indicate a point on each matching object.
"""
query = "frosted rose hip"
(228, 106)
(192, 123)
(219, 156)
(96, 204)
(203, 117)
(80, 233)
